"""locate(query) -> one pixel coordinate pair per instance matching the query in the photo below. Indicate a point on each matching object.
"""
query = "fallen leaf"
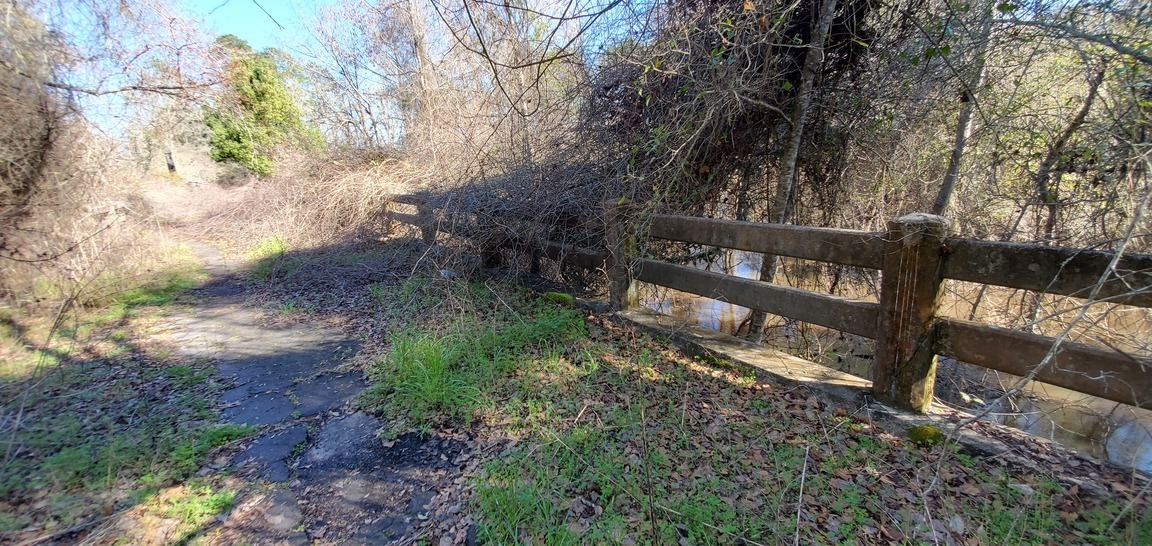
(970, 489)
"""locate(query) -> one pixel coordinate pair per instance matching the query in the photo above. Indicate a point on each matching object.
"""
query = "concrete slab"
(327, 392)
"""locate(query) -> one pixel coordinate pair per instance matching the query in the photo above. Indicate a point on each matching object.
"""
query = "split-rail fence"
(915, 255)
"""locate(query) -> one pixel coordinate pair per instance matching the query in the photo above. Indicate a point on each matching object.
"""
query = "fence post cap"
(912, 228)
(922, 218)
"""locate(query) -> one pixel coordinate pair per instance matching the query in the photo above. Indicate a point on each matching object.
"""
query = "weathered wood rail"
(915, 255)
(492, 241)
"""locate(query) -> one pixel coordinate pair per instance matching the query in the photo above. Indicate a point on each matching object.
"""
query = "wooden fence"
(431, 221)
(915, 255)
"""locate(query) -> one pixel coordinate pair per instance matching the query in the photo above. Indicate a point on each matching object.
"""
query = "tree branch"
(1072, 32)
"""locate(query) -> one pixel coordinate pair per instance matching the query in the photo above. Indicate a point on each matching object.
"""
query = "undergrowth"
(267, 259)
(452, 374)
(618, 438)
(34, 339)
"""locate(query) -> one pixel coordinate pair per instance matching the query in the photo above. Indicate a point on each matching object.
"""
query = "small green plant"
(378, 290)
(200, 503)
(11, 522)
(422, 376)
(70, 466)
(267, 258)
(219, 435)
(158, 293)
(560, 298)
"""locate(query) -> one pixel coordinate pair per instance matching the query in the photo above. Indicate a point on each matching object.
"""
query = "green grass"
(31, 344)
(269, 259)
(90, 433)
(116, 296)
(104, 422)
(91, 450)
(426, 377)
(183, 511)
(200, 504)
(431, 377)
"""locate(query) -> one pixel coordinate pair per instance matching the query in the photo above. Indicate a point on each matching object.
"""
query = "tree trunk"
(964, 120)
(781, 208)
(1046, 194)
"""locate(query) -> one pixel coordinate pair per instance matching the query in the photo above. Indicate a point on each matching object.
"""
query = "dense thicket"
(66, 191)
(1024, 122)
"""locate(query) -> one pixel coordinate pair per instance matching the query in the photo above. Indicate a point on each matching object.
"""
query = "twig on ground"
(800, 497)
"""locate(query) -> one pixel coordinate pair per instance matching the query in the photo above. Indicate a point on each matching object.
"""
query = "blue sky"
(246, 20)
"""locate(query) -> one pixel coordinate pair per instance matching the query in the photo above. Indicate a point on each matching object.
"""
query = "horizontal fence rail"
(1052, 270)
(841, 246)
(425, 219)
(1083, 368)
(915, 256)
(852, 316)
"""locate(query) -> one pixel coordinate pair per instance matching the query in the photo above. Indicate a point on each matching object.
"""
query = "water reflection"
(1097, 427)
(1103, 429)
(707, 312)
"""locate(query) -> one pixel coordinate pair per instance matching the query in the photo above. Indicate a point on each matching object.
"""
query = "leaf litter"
(652, 446)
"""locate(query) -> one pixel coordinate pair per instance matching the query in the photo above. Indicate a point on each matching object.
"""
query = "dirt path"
(316, 473)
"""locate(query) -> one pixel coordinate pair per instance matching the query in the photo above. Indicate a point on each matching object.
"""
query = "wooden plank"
(1055, 270)
(516, 211)
(416, 200)
(1082, 368)
(410, 219)
(852, 316)
(587, 259)
(564, 253)
(841, 246)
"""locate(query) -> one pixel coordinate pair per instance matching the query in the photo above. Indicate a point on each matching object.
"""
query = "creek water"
(1107, 430)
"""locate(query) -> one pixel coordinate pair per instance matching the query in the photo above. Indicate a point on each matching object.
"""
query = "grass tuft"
(432, 378)
(268, 259)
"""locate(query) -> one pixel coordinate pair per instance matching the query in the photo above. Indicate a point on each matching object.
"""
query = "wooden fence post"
(427, 223)
(904, 373)
(623, 251)
(389, 221)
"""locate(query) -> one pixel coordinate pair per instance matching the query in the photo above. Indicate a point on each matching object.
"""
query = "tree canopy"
(257, 112)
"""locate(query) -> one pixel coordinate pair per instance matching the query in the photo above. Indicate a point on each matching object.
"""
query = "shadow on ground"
(317, 472)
